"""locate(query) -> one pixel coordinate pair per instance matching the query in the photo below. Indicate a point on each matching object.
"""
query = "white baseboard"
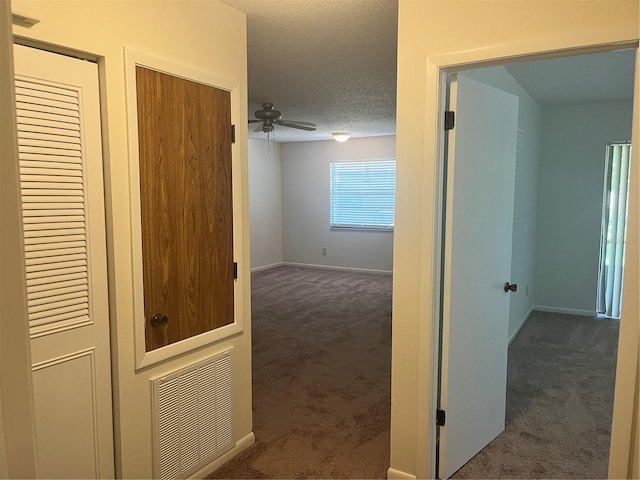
(266, 267)
(566, 311)
(241, 445)
(522, 322)
(332, 267)
(393, 474)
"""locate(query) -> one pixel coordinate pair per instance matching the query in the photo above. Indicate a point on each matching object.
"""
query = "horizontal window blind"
(363, 194)
(53, 203)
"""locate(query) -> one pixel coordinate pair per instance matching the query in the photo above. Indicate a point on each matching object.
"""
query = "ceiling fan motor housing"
(268, 113)
(270, 117)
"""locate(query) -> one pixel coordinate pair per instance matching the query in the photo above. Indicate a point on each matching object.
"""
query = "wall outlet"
(324, 250)
(526, 291)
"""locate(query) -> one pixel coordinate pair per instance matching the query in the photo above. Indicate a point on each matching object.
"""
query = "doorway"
(529, 289)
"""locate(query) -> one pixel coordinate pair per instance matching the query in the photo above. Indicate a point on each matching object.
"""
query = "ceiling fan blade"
(254, 121)
(299, 126)
(308, 124)
(258, 128)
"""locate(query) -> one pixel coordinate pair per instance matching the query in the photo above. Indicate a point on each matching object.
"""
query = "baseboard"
(393, 474)
(241, 445)
(333, 267)
(566, 311)
(266, 267)
(522, 322)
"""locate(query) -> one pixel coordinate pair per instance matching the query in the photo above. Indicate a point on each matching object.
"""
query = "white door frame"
(437, 69)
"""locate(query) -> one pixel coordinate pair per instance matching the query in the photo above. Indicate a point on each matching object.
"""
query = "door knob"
(510, 287)
(158, 319)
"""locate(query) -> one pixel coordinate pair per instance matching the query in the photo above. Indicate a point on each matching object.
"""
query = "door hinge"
(233, 134)
(449, 120)
(235, 270)
(441, 417)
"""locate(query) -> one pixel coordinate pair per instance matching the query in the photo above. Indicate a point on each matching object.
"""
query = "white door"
(60, 157)
(479, 223)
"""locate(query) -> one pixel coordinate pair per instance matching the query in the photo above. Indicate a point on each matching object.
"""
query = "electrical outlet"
(526, 291)
(324, 250)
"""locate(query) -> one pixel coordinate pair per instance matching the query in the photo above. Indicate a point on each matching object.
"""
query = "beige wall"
(448, 32)
(202, 34)
(17, 442)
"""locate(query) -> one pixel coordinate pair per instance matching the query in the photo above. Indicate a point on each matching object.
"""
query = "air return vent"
(192, 417)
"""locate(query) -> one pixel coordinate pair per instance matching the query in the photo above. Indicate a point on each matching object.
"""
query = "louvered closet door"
(64, 239)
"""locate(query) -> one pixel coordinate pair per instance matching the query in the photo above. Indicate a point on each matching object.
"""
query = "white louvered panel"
(208, 422)
(60, 295)
(42, 291)
(53, 233)
(198, 398)
(189, 452)
(27, 97)
(53, 200)
(70, 255)
(168, 418)
(54, 242)
(45, 125)
(224, 434)
(56, 301)
(40, 90)
(70, 248)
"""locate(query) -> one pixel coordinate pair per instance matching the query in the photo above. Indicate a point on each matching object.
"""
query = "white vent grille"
(193, 416)
(53, 203)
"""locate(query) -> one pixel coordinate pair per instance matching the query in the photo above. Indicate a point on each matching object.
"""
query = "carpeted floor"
(321, 376)
(559, 402)
(321, 386)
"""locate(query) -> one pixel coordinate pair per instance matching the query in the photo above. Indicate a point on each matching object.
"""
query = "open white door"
(60, 153)
(478, 238)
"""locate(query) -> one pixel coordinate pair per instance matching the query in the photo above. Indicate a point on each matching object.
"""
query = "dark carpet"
(560, 383)
(321, 386)
(321, 376)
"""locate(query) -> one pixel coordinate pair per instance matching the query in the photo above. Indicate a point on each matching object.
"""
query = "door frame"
(135, 58)
(437, 69)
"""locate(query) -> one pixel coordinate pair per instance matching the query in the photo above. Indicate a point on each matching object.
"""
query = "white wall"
(305, 200)
(265, 203)
(204, 35)
(445, 33)
(572, 165)
(523, 258)
(17, 436)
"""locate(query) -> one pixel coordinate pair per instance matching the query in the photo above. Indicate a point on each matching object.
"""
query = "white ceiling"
(333, 63)
(582, 78)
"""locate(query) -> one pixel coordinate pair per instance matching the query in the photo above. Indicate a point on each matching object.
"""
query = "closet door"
(61, 179)
(186, 203)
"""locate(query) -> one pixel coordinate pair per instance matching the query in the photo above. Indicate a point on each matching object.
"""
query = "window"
(614, 229)
(363, 195)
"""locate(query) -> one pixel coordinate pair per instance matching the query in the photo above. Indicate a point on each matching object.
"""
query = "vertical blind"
(614, 221)
(363, 194)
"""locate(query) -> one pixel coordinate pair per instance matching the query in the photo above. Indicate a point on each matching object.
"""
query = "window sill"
(360, 229)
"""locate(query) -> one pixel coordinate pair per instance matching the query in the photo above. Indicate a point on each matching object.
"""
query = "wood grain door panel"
(184, 132)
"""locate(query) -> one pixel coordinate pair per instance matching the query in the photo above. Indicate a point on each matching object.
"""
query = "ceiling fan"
(270, 117)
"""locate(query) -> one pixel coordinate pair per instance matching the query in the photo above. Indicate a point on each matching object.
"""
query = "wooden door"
(60, 153)
(480, 186)
(184, 134)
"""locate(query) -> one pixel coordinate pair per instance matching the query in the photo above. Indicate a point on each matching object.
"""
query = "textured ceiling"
(333, 63)
(330, 62)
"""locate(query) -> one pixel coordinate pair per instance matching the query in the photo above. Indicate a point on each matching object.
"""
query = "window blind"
(363, 194)
(614, 229)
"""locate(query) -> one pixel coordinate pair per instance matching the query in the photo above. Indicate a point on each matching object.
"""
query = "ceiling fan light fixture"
(341, 136)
